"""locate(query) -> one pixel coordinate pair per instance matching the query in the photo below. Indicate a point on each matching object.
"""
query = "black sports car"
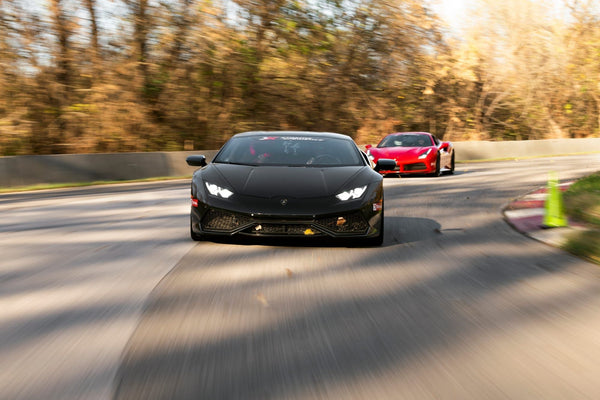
(288, 184)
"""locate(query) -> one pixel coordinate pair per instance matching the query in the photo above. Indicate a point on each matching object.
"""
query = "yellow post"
(554, 212)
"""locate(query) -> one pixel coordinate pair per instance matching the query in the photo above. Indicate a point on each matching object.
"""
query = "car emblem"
(283, 202)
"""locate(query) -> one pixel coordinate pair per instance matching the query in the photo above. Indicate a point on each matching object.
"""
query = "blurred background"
(95, 76)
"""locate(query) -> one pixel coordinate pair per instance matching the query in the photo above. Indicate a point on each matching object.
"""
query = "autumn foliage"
(142, 75)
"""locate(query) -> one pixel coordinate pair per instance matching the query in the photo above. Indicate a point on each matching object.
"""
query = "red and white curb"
(526, 215)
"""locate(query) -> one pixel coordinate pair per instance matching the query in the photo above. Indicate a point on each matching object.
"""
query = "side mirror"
(385, 164)
(444, 146)
(196, 161)
(368, 146)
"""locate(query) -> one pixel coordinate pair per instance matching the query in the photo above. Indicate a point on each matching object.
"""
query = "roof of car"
(295, 133)
(409, 133)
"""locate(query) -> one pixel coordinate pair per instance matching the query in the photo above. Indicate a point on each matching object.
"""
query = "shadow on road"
(348, 316)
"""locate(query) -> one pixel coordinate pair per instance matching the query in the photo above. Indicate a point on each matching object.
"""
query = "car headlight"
(218, 191)
(425, 154)
(353, 194)
(370, 156)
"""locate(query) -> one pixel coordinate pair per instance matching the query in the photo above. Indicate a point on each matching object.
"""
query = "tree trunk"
(141, 29)
(64, 77)
(96, 57)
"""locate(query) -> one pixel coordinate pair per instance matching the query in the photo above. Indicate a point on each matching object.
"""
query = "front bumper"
(412, 167)
(363, 222)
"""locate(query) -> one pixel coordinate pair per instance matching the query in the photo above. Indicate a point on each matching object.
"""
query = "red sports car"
(414, 153)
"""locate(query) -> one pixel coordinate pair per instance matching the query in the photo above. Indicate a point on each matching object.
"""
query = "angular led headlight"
(218, 191)
(353, 194)
(424, 155)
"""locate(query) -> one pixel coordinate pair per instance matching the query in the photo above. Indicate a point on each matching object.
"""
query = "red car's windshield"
(406, 140)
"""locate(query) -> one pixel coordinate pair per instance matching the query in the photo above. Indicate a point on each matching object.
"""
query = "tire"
(195, 237)
(437, 167)
(377, 240)
(451, 165)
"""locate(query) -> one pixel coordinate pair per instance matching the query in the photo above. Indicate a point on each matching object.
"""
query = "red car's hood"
(395, 152)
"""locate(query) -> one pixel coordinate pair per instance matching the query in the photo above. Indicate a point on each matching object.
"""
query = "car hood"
(394, 152)
(296, 182)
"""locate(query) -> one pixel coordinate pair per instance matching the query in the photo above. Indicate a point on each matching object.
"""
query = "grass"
(582, 203)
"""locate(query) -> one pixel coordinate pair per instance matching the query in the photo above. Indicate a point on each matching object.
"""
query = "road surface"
(102, 295)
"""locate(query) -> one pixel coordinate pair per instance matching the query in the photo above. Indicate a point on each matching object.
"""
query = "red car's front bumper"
(413, 166)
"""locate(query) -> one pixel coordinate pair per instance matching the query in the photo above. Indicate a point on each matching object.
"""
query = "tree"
(84, 77)
(514, 56)
(582, 108)
(96, 54)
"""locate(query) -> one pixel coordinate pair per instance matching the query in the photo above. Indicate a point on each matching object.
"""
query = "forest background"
(88, 76)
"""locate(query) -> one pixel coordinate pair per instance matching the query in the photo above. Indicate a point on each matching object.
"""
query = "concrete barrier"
(71, 168)
(484, 150)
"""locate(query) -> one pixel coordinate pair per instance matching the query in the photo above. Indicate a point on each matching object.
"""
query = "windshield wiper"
(232, 163)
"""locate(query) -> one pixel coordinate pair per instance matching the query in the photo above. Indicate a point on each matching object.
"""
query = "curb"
(526, 215)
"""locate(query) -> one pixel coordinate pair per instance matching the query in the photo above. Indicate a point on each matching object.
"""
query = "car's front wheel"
(437, 166)
(195, 236)
(377, 240)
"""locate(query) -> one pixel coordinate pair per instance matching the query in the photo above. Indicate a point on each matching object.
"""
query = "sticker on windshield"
(303, 138)
(293, 138)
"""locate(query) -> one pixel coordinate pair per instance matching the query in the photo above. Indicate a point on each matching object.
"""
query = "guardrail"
(70, 168)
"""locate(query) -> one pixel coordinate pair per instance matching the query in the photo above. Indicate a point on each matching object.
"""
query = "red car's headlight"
(424, 154)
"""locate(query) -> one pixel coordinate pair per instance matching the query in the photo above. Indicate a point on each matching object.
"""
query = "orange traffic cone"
(554, 212)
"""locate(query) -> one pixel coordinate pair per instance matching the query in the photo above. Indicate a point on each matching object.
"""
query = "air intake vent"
(223, 221)
(350, 223)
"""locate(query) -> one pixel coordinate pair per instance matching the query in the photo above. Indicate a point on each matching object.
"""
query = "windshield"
(294, 151)
(412, 140)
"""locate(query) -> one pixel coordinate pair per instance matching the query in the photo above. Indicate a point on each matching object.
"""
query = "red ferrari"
(414, 153)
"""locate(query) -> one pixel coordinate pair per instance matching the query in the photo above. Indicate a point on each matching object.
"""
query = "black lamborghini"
(288, 184)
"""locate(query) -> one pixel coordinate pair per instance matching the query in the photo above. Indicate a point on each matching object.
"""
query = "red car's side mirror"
(368, 146)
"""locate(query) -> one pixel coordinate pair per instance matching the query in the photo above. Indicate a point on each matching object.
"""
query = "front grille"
(349, 223)
(226, 221)
(218, 220)
(282, 229)
(415, 167)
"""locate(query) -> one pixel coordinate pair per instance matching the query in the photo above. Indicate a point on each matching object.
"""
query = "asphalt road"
(102, 295)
